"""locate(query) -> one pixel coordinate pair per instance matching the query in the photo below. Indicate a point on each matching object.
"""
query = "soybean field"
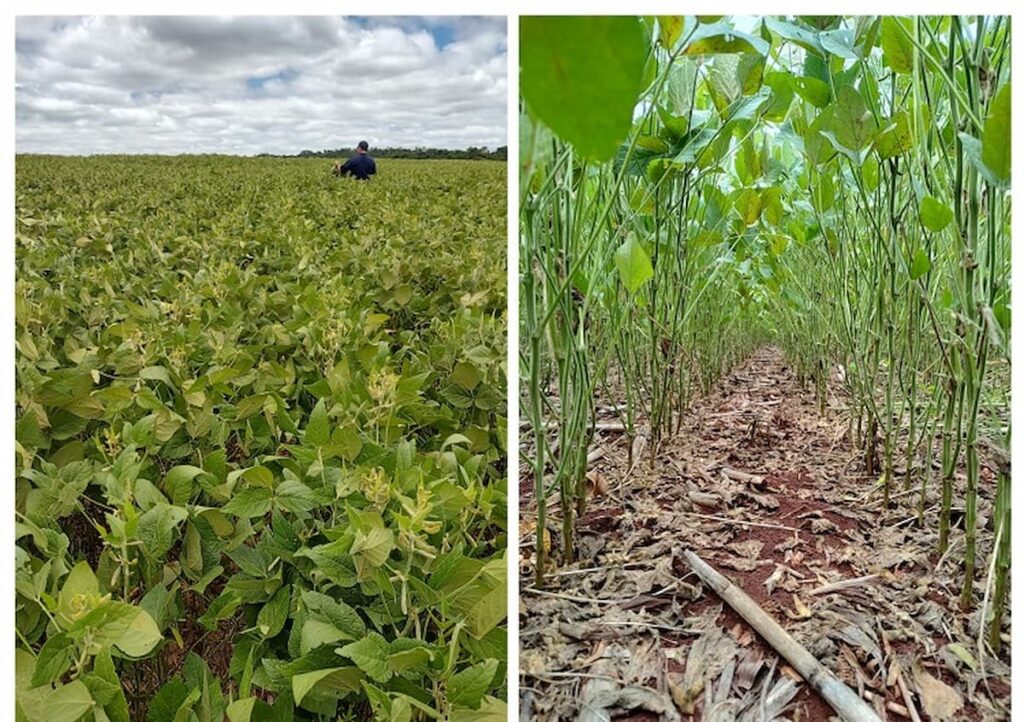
(260, 456)
(765, 366)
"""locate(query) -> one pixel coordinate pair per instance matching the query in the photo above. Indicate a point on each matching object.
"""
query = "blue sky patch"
(257, 82)
(443, 31)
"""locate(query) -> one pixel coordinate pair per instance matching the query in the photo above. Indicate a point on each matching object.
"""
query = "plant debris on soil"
(773, 494)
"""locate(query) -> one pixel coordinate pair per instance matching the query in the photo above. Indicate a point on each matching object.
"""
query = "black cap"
(363, 145)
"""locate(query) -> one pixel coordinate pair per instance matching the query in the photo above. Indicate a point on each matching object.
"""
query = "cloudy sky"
(257, 84)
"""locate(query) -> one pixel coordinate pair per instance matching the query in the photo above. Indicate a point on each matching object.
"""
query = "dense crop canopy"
(837, 185)
(261, 440)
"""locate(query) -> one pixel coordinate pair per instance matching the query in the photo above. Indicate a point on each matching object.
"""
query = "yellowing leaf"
(670, 28)
(897, 47)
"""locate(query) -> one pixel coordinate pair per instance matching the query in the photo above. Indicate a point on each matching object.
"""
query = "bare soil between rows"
(770, 492)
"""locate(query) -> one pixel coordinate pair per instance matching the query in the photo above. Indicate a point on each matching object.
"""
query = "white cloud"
(250, 85)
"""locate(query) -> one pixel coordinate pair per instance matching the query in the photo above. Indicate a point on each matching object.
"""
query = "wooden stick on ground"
(843, 585)
(842, 699)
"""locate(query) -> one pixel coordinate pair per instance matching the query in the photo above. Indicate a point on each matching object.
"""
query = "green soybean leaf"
(559, 58)
(318, 431)
(679, 86)
(732, 77)
(897, 48)
(158, 529)
(935, 214)
(371, 655)
(896, 137)
(634, 264)
(407, 654)
(995, 138)
(250, 503)
(721, 38)
(254, 709)
(340, 614)
(920, 265)
(136, 634)
(806, 39)
(839, 42)
(491, 709)
(241, 710)
(316, 632)
(380, 702)
(782, 96)
(80, 582)
(853, 124)
(168, 701)
(816, 147)
(53, 660)
(211, 703)
(814, 91)
(466, 375)
(222, 607)
(1003, 316)
(66, 703)
(333, 682)
(401, 710)
(345, 442)
(178, 483)
(102, 691)
(479, 598)
(250, 405)
(749, 204)
(116, 705)
(294, 496)
(489, 611)
(28, 432)
(374, 544)
(272, 616)
(467, 687)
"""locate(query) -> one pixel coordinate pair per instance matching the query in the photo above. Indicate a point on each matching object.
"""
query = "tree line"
(420, 153)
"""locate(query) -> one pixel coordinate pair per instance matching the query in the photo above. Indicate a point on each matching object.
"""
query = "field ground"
(771, 493)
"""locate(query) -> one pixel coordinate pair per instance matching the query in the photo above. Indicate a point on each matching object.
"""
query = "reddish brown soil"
(814, 511)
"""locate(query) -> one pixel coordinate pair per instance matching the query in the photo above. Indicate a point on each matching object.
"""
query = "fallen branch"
(743, 476)
(727, 520)
(843, 585)
(905, 692)
(842, 699)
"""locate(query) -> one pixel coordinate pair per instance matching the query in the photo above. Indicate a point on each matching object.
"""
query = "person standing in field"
(361, 165)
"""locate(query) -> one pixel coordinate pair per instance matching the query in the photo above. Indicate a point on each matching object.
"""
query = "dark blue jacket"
(360, 166)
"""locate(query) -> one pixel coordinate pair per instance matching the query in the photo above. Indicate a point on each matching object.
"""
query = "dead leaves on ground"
(940, 701)
(852, 582)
